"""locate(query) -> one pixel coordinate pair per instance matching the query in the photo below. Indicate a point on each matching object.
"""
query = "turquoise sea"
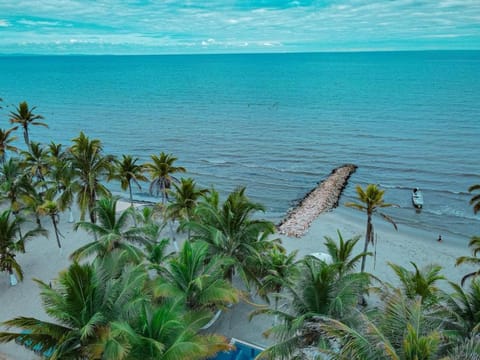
(277, 123)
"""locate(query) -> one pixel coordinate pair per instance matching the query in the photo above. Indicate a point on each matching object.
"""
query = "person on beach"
(439, 238)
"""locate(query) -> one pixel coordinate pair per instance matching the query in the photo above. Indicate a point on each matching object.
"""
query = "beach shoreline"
(44, 260)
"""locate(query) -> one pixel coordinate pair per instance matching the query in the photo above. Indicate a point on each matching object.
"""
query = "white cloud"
(220, 25)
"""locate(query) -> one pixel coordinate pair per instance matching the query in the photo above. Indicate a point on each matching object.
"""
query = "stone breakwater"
(322, 198)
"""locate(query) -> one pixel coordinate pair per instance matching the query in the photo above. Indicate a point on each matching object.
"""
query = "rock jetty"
(322, 198)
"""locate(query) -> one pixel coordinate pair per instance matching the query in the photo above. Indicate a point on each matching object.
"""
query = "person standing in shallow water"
(439, 238)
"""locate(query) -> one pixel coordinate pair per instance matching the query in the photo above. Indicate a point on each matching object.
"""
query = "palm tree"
(199, 282)
(404, 329)
(474, 245)
(5, 143)
(281, 270)
(13, 184)
(185, 200)
(85, 303)
(231, 232)
(35, 161)
(419, 283)
(342, 253)
(370, 201)
(320, 291)
(161, 171)
(127, 171)
(50, 208)
(11, 244)
(113, 233)
(464, 309)
(25, 117)
(168, 332)
(475, 200)
(62, 183)
(91, 166)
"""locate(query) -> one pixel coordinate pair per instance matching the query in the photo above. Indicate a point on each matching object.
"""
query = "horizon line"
(243, 53)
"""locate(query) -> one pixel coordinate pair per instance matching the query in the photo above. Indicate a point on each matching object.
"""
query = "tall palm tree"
(371, 199)
(127, 171)
(342, 252)
(231, 232)
(114, 233)
(91, 166)
(24, 116)
(51, 209)
(11, 244)
(474, 245)
(35, 161)
(161, 171)
(5, 143)
(475, 200)
(199, 282)
(185, 199)
(320, 291)
(420, 282)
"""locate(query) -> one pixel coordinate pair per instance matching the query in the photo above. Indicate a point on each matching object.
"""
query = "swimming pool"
(243, 351)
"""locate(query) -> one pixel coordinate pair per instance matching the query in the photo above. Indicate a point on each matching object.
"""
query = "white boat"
(417, 198)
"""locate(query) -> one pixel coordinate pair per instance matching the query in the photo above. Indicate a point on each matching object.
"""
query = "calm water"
(277, 123)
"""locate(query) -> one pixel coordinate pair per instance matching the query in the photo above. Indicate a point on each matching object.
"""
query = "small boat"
(417, 198)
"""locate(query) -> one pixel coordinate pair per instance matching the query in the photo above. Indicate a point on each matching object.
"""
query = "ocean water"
(276, 123)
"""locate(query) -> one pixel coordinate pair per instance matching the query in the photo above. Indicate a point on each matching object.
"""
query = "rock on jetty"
(322, 198)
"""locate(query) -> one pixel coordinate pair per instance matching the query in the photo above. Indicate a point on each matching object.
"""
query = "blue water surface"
(277, 123)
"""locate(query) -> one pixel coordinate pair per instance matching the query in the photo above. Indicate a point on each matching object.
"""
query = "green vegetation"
(126, 295)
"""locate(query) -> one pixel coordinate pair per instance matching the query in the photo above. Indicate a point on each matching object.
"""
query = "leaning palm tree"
(12, 243)
(51, 209)
(474, 245)
(24, 116)
(112, 232)
(231, 232)
(128, 171)
(320, 291)
(475, 200)
(91, 166)
(199, 282)
(371, 200)
(5, 143)
(161, 171)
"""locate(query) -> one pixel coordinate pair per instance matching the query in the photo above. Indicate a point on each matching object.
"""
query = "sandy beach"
(43, 260)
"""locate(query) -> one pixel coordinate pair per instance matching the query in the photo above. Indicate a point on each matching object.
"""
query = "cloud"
(220, 26)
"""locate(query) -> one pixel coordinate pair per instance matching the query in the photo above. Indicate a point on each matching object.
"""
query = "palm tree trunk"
(26, 137)
(131, 203)
(368, 236)
(55, 228)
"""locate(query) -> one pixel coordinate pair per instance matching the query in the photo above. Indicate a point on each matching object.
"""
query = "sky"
(235, 26)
